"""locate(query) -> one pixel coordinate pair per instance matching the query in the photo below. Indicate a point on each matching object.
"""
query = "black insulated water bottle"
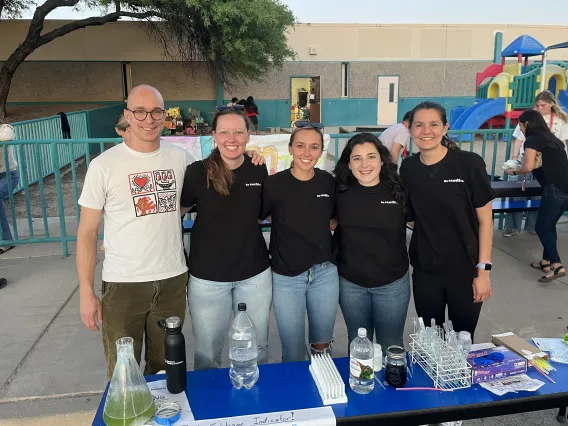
(174, 345)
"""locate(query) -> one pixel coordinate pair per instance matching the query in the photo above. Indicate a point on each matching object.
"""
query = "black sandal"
(555, 274)
(541, 266)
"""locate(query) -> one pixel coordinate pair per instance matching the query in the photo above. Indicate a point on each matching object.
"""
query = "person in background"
(252, 113)
(228, 259)
(557, 121)
(397, 138)
(371, 201)
(8, 171)
(552, 175)
(121, 126)
(301, 201)
(65, 128)
(135, 186)
(233, 102)
(450, 198)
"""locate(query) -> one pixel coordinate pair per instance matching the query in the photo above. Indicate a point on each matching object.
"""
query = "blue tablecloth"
(289, 386)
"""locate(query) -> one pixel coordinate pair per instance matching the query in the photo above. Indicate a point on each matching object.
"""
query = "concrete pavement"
(53, 372)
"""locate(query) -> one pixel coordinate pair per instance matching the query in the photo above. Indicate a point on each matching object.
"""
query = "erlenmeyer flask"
(129, 401)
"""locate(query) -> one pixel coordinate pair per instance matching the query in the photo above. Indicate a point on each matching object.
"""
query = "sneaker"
(509, 233)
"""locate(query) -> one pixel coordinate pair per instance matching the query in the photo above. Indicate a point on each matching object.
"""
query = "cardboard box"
(511, 365)
(519, 345)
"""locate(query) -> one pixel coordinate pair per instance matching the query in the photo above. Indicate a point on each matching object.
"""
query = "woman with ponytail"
(228, 261)
(450, 204)
(371, 201)
(557, 121)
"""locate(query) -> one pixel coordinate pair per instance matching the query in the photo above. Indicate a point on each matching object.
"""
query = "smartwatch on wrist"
(486, 266)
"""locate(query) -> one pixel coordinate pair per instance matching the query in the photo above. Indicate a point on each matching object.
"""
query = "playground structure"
(504, 90)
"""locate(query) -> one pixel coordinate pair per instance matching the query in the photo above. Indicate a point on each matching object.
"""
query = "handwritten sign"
(322, 416)
(161, 394)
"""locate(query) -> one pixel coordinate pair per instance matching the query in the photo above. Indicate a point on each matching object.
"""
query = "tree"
(237, 39)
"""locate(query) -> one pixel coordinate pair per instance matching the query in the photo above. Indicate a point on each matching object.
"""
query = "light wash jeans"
(515, 220)
(315, 291)
(4, 225)
(381, 310)
(210, 306)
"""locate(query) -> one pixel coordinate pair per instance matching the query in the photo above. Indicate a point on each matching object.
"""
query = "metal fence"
(61, 192)
(37, 158)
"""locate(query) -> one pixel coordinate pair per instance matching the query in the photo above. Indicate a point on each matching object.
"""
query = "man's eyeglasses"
(236, 107)
(300, 124)
(141, 115)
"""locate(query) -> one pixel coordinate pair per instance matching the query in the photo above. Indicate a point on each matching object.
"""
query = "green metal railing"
(524, 88)
(59, 195)
(483, 90)
(49, 129)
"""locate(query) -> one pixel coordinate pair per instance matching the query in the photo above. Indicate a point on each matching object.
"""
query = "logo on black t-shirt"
(253, 184)
(323, 195)
(389, 202)
(453, 181)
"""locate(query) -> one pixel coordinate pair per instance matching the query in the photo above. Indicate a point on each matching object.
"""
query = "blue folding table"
(289, 386)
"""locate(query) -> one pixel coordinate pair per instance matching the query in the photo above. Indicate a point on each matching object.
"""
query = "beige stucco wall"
(174, 80)
(276, 85)
(66, 82)
(128, 41)
(416, 78)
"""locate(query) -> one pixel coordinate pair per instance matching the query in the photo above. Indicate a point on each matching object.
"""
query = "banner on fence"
(274, 148)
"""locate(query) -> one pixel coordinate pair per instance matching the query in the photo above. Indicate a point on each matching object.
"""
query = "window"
(126, 79)
(391, 93)
(344, 79)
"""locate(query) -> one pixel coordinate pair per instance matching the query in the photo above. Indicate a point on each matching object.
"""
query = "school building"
(346, 74)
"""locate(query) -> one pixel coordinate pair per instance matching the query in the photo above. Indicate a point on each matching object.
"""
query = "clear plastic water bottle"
(243, 351)
(361, 374)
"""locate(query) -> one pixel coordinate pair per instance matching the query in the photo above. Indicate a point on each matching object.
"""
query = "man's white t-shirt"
(559, 128)
(139, 194)
(395, 134)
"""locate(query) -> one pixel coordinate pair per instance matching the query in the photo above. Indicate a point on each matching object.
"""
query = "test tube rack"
(446, 367)
(328, 381)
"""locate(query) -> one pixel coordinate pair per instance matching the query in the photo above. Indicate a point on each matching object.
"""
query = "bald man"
(135, 186)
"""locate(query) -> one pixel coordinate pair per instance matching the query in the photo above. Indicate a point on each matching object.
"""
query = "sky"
(555, 12)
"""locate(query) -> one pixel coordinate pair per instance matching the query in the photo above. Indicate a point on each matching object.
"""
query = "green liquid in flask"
(139, 412)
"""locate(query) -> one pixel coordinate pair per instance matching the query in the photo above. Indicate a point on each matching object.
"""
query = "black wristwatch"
(484, 265)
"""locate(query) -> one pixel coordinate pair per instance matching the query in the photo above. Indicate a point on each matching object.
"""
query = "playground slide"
(563, 99)
(474, 117)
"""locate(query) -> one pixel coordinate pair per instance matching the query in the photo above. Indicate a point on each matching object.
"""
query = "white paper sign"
(322, 416)
(161, 394)
(514, 384)
(191, 144)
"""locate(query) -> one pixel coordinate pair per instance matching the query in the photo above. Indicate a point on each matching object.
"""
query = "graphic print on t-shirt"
(152, 192)
(145, 204)
(165, 179)
(141, 183)
(167, 201)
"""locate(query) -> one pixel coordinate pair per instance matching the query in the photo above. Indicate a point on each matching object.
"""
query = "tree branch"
(94, 21)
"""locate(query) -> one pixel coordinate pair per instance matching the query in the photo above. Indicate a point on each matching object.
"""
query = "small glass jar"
(395, 367)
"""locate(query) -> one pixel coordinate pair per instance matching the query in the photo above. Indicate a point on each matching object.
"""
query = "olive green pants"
(133, 310)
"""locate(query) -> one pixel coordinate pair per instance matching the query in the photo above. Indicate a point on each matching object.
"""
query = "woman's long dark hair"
(219, 176)
(535, 125)
(446, 141)
(344, 177)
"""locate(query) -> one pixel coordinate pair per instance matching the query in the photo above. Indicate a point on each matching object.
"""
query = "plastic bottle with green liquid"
(129, 401)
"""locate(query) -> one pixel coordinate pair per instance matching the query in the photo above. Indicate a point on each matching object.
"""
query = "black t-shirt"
(554, 169)
(226, 239)
(301, 211)
(371, 236)
(443, 199)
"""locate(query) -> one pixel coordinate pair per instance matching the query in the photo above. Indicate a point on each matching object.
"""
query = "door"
(387, 113)
(314, 99)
